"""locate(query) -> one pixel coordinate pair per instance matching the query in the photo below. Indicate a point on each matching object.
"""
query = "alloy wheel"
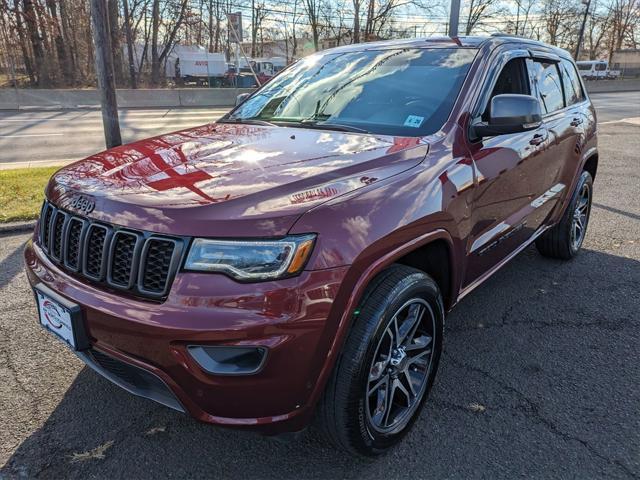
(399, 370)
(580, 217)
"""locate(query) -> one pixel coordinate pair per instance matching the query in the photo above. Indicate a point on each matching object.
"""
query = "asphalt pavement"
(31, 138)
(539, 377)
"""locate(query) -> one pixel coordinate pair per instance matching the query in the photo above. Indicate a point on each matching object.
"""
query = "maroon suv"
(299, 255)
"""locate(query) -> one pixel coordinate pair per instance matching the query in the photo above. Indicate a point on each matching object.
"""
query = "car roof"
(475, 42)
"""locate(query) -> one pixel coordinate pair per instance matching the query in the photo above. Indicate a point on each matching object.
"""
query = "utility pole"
(104, 72)
(584, 23)
(454, 18)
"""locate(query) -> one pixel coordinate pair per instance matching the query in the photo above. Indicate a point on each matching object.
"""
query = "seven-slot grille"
(137, 261)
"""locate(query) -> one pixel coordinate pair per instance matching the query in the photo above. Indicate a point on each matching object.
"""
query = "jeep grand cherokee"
(298, 256)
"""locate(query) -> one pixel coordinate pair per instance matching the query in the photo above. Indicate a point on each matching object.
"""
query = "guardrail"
(59, 99)
(619, 85)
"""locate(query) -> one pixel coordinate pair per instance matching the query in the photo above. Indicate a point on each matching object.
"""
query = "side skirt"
(479, 281)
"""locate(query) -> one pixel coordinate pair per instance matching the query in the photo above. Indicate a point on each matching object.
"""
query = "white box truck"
(203, 68)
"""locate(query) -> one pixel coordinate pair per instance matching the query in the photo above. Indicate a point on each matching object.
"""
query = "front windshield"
(405, 92)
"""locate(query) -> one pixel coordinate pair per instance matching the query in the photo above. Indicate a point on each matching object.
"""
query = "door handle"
(576, 121)
(538, 138)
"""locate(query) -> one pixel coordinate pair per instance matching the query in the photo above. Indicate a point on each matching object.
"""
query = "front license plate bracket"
(80, 338)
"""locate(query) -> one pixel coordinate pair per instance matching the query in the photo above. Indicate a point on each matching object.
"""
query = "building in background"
(627, 61)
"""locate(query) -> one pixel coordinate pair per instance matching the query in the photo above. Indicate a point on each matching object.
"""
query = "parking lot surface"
(539, 378)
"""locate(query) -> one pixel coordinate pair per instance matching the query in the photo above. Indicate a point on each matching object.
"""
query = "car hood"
(229, 179)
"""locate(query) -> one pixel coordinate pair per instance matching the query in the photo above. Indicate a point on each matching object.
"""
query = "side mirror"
(241, 98)
(510, 113)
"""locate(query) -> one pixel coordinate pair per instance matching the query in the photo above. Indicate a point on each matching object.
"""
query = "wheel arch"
(435, 259)
(591, 165)
(359, 278)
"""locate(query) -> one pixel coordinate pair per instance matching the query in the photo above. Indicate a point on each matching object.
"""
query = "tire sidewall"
(412, 286)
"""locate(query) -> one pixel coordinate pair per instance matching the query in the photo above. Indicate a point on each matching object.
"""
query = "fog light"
(222, 360)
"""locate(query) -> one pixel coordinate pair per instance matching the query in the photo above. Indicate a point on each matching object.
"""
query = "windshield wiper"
(247, 121)
(334, 126)
(308, 123)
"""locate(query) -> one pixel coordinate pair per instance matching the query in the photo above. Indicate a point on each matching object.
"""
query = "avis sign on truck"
(200, 66)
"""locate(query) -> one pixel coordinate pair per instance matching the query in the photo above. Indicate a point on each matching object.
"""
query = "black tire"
(345, 411)
(561, 241)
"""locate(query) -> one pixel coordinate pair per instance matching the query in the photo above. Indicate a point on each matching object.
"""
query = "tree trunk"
(28, 65)
(31, 22)
(114, 33)
(294, 42)
(69, 39)
(63, 57)
(155, 56)
(127, 29)
(254, 29)
(210, 26)
(49, 55)
(216, 41)
(356, 21)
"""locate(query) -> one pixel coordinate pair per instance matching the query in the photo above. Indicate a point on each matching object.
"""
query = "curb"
(17, 227)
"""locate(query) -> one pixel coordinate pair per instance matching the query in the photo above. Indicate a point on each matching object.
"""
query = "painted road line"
(35, 163)
(631, 120)
(32, 135)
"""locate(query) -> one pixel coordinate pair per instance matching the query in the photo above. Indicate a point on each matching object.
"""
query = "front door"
(511, 182)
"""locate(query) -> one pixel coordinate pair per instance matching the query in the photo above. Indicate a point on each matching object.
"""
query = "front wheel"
(388, 363)
(565, 239)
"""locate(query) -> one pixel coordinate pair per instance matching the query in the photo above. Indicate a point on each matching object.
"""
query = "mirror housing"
(510, 113)
(241, 98)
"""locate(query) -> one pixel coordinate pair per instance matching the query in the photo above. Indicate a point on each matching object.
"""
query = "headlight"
(248, 260)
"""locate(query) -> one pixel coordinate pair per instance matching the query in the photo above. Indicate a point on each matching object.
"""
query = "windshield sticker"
(413, 121)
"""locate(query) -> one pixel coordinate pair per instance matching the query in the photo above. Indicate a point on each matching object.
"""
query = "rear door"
(563, 120)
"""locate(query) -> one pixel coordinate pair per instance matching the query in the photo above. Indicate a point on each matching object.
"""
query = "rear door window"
(546, 77)
(571, 82)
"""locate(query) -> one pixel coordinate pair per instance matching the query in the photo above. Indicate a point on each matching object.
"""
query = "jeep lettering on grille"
(82, 204)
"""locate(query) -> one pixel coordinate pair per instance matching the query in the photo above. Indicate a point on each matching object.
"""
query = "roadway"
(59, 137)
(539, 378)
(31, 138)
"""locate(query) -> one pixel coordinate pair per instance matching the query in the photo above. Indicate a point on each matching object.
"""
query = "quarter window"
(571, 82)
(547, 78)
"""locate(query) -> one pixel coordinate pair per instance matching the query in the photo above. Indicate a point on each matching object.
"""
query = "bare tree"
(41, 72)
(174, 23)
(561, 20)
(129, 36)
(313, 10)
(523, 12)
(625, 17)
(258, 14)
(22, 41)
(215, 13)
(480, 11)
(596, 29)
(357, 6)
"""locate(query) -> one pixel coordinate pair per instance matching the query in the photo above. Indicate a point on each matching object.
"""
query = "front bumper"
(294, 319)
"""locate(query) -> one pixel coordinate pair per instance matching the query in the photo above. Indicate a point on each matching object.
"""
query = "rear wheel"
(388, 363)
(565, 239)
